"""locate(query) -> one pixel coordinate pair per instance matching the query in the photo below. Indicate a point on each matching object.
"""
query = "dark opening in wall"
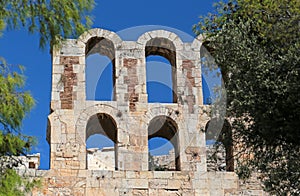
(219, 141)
(31, 165)
(165, 127)
(103, 127)
(100, 70)
(164, 48)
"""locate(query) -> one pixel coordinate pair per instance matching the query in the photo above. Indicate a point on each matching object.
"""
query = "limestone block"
(187, 192)
(215, 183)
(139, 192)
(201, 192)
(216, 192)
(72, 49)
(55, 60)
(144, 38)
(200, 184)
(163, 174)
(109, 183)
(162, 33)
(197, 43)
(130, 45)
(172, 36)
(158, 183)
(145, 175)
(135, 183)
(57, 68)
(118, 174)
(174, 184)
(101, 192)
(55, 105)
(132, 174)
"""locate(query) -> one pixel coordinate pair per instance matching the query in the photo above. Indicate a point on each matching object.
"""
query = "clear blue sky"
(18, 47)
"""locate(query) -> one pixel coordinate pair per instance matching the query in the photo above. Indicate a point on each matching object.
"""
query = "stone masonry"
(130, 121)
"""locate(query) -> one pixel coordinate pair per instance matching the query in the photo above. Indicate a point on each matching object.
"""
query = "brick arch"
(174, 38)
(82, 120)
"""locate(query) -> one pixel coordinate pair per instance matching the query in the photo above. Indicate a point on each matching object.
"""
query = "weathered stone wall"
(130, 116)
(131, 111)
(144, 183)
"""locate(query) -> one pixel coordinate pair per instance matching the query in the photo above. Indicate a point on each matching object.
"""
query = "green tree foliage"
(14, 104)
(11, 182)
(53, 20)
(256, 44)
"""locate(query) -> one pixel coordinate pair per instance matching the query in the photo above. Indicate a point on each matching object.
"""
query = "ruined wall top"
(70, 44)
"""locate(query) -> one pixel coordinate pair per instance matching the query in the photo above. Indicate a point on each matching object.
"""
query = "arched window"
(161, 72)
(219, 144)
(100, 69)
(101, 135)
(165, 127)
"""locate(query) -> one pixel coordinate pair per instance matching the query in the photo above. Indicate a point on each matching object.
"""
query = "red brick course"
(69, 79)
(188, 66)
(131, 80)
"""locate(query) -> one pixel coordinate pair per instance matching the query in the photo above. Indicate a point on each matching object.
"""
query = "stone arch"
(84, 116)
(197, 43)
(160, 110)
(98, 110)
(162, 47)
(160, 44)
(103, 124)
(174, 38)
(165, 127)
(103, 42)
(97, 32)
(167, 114)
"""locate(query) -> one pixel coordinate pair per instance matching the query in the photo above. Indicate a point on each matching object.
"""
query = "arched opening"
(164, 69)
(166, 128)
(161, 155)
(101, 135)
(100, 70)
(159, 79)
(219, 143)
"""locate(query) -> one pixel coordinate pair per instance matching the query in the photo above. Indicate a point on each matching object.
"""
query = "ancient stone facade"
(130, 121)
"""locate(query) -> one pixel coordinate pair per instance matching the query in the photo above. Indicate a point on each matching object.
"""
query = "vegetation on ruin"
(257, 47)
(53, 20)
